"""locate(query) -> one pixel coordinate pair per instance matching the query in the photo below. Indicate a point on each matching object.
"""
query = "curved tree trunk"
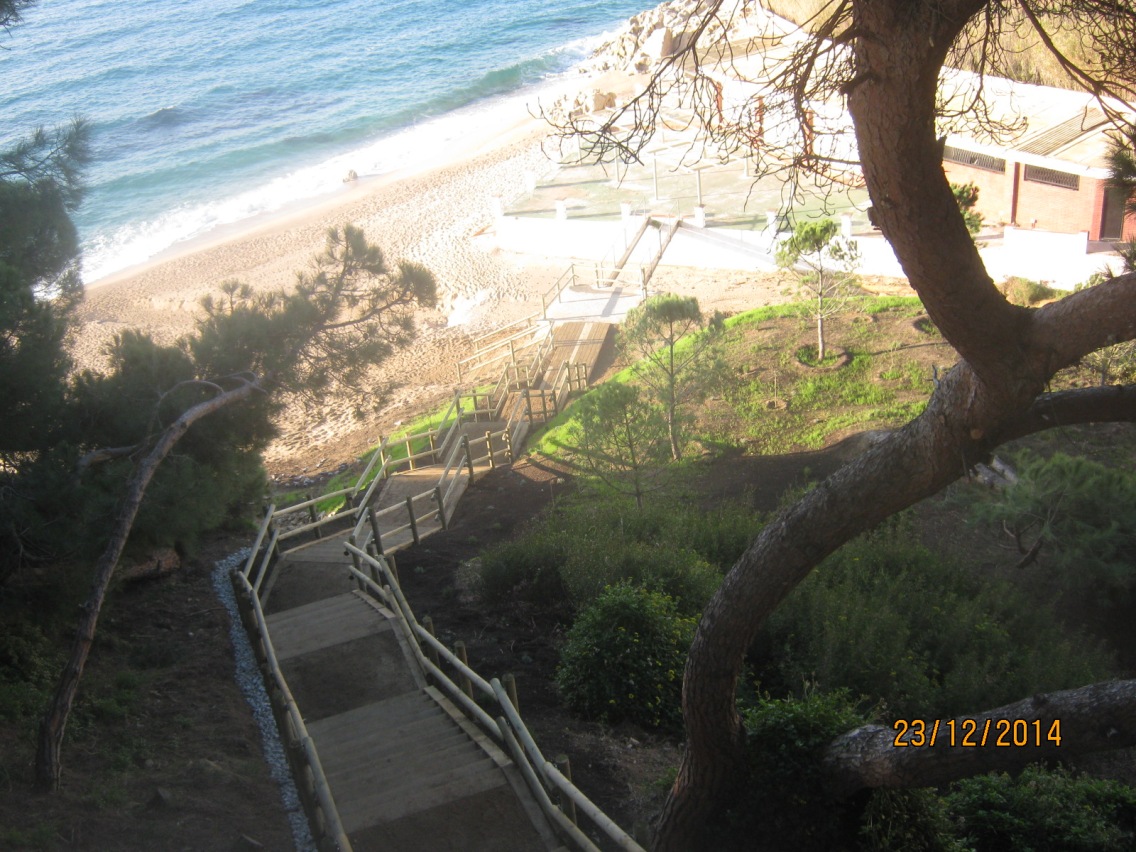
(1054, 725)
(1008, 355)
(48, 761)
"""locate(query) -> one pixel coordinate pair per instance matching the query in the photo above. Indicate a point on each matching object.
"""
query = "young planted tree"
(349, 311)
(882, 59)
(966, 194)
(825, 262)
(621, 438)
(677, 349)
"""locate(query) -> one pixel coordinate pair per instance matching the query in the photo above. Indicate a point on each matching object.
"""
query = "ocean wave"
(167, 116)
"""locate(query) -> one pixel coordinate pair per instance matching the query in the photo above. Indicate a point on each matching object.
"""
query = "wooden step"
(386, 743)
(359, 806)
(389, 712)
(318, 550)
(427, 760)
(322, 624)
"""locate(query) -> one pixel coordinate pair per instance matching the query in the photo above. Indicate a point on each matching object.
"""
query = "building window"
(973, 158)
(1052, 177)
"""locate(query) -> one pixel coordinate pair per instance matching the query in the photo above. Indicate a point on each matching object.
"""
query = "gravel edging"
(251, 682)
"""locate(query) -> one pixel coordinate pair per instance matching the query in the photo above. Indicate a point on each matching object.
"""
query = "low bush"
(1023, 291)
(1082, 515)
(527, 568)
(572, 555)
(1044, 811)
(624, 657)
(886, 619)
(784, 800)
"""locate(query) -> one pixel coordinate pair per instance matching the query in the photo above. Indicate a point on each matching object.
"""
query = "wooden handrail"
(334, 826)
(540, 775)
(312, 501)
(264, 526)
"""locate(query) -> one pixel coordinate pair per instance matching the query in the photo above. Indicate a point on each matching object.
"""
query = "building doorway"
(1112, 219)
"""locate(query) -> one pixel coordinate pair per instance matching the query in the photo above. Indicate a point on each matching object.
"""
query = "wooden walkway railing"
(388, 508)
(504, 723)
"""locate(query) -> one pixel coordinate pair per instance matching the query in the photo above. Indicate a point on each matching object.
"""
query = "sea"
(211, 113)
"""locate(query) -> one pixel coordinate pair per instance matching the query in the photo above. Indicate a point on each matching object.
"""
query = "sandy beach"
(440, 217)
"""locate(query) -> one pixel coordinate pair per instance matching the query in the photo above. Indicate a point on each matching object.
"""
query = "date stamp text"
(975, 733)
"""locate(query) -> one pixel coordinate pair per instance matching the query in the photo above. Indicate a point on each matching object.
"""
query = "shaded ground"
(162, 751)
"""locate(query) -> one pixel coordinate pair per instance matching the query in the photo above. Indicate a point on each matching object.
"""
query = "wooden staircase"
(407, 769)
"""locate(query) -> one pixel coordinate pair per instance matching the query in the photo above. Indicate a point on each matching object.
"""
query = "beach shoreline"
(442, 216)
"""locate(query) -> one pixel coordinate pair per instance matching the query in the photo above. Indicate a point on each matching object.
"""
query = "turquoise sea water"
(210, 112)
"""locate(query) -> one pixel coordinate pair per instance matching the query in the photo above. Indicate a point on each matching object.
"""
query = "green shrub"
(784, 799)
(886, 619)
(29, 665)
(527, 568)
(574, 554)
(966, 196)
(1022, 291)
(596, 563)
(1044, 811)
(624, 657)
(1085, 515)
(914, 820)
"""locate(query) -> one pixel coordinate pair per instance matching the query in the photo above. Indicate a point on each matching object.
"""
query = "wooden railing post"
(355, 559)
(376, 533)
(566, 803)
(431, 651)
(393, 566)
(489, 449)
(510, 684)
(434, 447)
(528, 404)
(441, 506)
(312, 514)
(466, 683)
(508, 444)
(383, 457)
(413, 520)
(468, 455)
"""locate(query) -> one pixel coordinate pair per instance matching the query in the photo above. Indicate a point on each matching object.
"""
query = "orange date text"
(976, 733)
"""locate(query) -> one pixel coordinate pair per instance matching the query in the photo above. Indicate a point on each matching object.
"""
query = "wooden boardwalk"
(580, 342)
(406, 769)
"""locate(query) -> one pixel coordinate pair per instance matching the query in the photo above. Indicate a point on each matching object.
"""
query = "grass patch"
(774, 404)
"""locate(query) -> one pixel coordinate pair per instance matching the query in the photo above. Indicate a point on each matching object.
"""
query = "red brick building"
(1051, 173)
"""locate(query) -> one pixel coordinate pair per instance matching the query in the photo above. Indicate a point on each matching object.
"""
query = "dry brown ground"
(162, 752)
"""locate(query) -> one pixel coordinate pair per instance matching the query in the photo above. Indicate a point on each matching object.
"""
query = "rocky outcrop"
(652, 36)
